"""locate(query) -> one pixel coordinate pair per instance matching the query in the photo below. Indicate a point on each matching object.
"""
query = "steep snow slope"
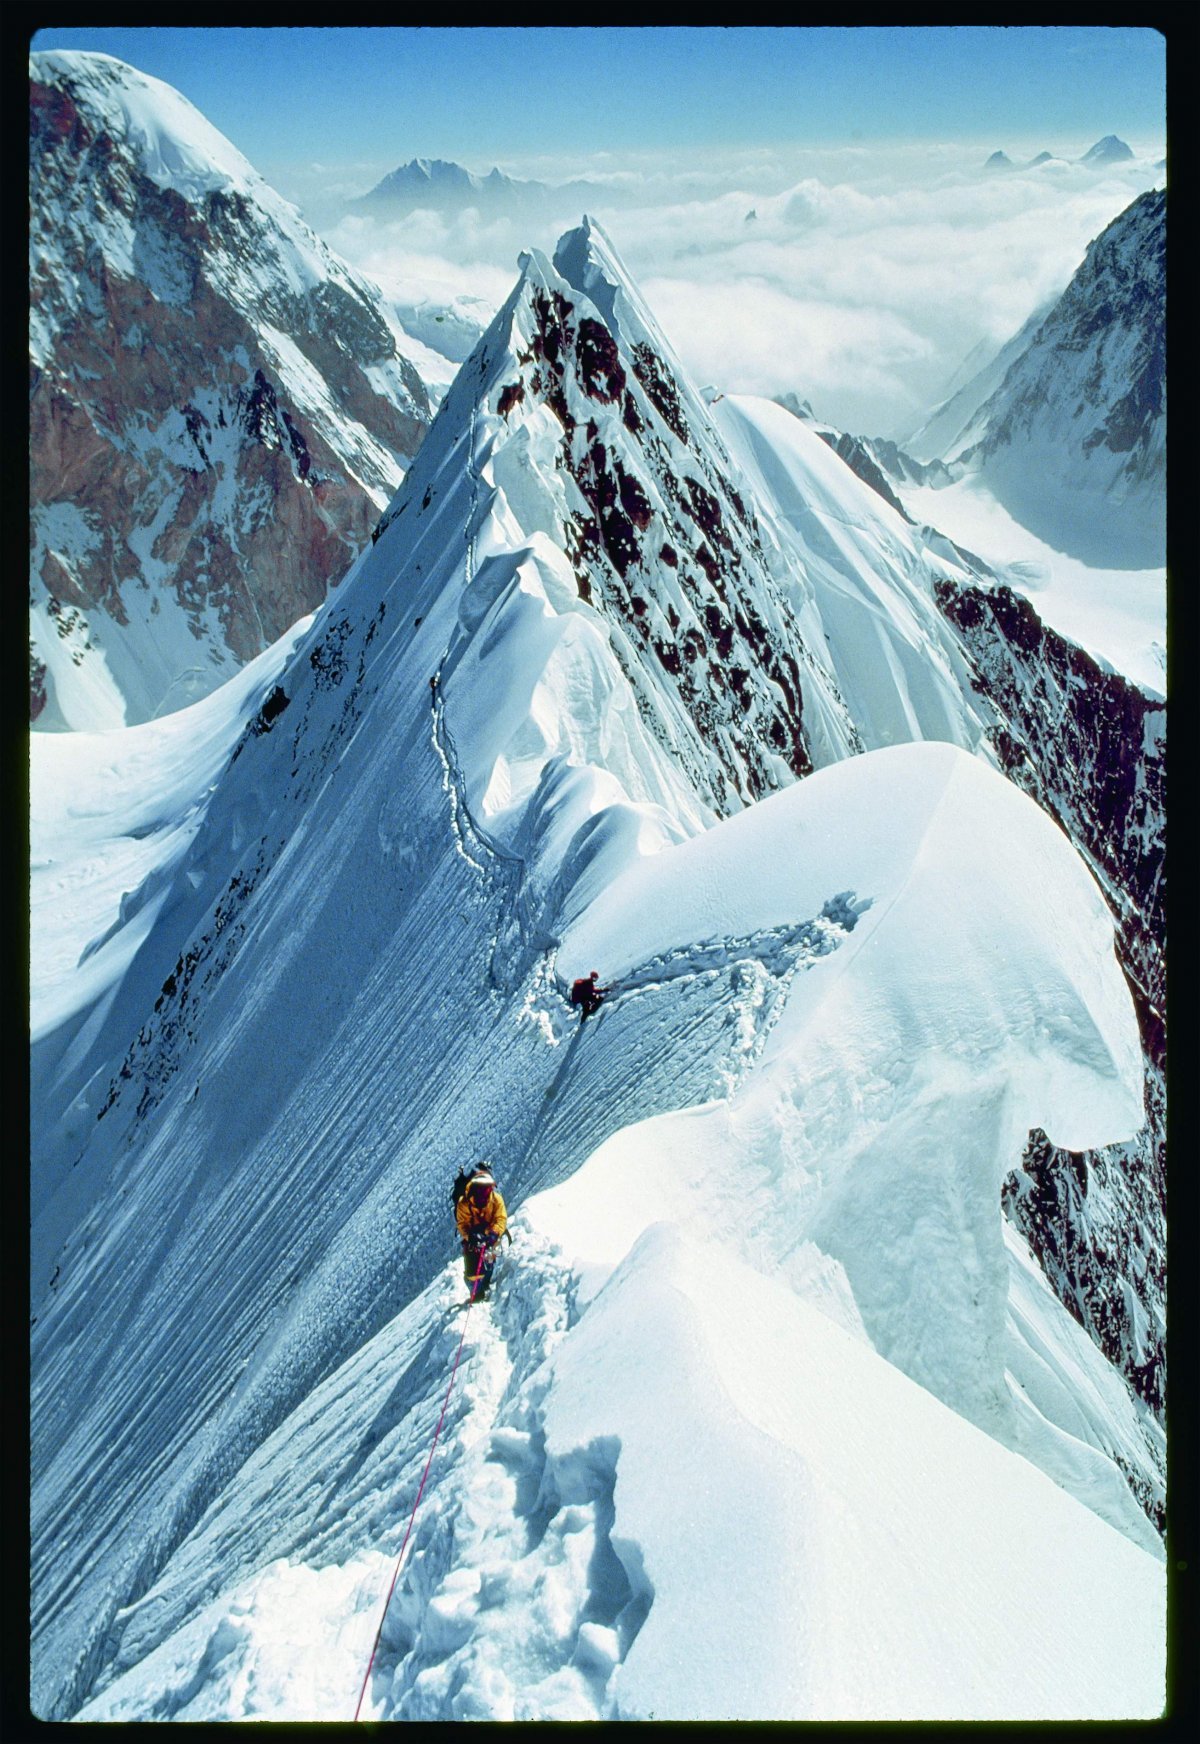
(353, 981)
(947, 430)
(928, 639)
(1073, 439)
(899, 666)
(557, 1570)
(219, 406)
(344, 804)
(111, 814)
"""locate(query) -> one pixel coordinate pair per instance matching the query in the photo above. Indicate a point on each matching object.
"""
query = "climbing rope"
(420, 1491)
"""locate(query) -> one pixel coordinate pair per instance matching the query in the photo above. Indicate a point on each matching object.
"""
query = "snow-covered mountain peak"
(432, 172)
(219, 405)
(1067, 425)
(556, 716)
(588, 259)
(1108, 150)
(588, 431)
(175, 145)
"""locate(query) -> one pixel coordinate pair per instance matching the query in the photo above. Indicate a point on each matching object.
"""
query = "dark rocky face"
(158, 416)
(1090, 747)
(667, 550)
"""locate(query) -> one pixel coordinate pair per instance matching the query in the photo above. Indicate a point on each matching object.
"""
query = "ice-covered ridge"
(572, 1445)
(556, 1571)
(175, 144)
(468, 781)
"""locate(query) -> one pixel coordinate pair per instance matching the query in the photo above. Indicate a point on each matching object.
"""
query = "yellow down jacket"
(492, 1217)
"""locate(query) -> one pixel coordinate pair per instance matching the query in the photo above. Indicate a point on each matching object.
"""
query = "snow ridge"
(840, 1003)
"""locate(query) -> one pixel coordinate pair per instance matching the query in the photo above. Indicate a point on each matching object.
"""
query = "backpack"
(459, 1188)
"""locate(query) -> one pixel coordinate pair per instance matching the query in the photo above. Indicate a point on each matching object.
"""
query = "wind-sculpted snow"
(856, 1511)
(912, 1064)
(843, 1006)
(927, 644)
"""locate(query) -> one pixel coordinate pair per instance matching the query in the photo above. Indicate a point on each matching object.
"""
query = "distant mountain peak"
(449, 187)
(1108, 150)
(448, 184)
(1072, 438)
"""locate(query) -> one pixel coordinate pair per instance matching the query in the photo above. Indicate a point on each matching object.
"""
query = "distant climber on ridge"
(482, 1219)
(585, 993)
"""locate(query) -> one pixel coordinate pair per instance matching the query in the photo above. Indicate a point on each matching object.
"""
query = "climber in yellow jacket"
(482, 1219)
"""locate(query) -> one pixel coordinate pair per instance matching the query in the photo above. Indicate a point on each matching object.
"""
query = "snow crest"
(760, 1364)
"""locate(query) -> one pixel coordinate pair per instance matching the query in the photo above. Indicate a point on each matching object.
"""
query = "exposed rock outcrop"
(217, 405)
(1090, 747)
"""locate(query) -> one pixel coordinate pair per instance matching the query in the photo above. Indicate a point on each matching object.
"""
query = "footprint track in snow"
(513, 1602)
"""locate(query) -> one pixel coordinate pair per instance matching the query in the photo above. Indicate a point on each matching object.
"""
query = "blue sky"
(481, 96)
(880, 252)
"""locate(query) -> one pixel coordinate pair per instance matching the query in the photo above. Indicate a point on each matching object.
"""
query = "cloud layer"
(856, 278)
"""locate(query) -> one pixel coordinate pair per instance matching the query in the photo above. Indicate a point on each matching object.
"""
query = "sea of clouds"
(859, 278)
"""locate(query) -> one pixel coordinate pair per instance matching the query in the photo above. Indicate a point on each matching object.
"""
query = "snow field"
(1118, 614)
(700, 1462)
(892, 1561)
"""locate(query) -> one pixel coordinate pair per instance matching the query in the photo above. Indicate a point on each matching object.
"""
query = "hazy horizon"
(874, 262)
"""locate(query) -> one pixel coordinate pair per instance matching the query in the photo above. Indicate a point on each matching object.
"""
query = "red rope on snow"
(420, 1491)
